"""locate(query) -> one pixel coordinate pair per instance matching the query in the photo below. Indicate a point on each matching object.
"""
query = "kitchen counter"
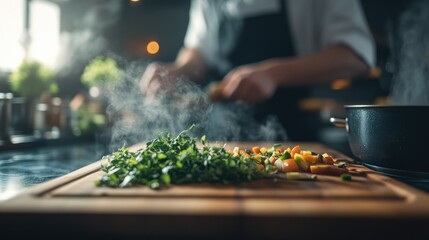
(376, 206)
(27, 167)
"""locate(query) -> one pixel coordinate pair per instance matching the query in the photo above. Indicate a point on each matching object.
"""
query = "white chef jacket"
(315, 25)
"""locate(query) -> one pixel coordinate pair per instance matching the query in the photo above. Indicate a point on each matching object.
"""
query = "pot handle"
(339, 122)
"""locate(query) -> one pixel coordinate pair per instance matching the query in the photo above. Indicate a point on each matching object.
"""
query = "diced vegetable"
(319, 169)
(290, 165)
(279, 164)
(310, 159)
(263, 150)
(327, 159)
(346, 177)
(256, 150)
(272, 159)
(296, 149)
(304, 153)
(286, 155)
(293, 175)
(327, 169)
(301, 162)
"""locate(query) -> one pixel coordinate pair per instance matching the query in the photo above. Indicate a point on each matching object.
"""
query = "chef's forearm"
(333, 63)
(190, 63)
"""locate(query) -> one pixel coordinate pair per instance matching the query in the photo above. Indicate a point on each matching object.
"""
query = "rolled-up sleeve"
(318, 24)
(201, 31)
(343, 22)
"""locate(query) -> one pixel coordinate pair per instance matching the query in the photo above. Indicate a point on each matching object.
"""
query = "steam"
(136, 118)
(411, 83)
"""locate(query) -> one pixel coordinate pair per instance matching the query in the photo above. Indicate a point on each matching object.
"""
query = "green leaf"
(179, 164)
(166, 178)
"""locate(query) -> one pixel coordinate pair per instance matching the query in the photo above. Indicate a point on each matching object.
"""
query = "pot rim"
(386, 106)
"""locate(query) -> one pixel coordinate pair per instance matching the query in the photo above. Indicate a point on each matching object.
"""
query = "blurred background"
(73, 46)
(56, 56)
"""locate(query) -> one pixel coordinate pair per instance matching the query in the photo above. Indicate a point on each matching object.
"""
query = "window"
(43, 38)
(11, 33)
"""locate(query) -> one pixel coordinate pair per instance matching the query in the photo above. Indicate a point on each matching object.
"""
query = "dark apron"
(261, 38)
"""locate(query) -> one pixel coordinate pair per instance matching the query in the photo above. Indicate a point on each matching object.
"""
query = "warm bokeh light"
(152, 47)
(340, 84)
(134, 1)
(375, 73)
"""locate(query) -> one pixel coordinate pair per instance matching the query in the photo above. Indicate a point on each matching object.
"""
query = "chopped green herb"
(167, 160)
(285, 156)
(346, 177)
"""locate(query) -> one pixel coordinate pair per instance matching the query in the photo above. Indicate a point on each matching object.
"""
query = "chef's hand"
(158, 78)
(249, 83)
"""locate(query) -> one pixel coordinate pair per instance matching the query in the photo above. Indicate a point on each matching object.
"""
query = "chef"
(269, 53)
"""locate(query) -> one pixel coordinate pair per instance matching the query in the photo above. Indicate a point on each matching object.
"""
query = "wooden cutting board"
(73, 201)
(327, 187)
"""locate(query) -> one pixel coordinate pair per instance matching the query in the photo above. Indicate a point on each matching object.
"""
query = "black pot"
(393, 139)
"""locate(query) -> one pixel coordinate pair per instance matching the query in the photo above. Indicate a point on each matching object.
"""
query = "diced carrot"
(241, 152)
(290, 165)
(256, 150)
(296, 149)
(319, 169)
(327, 169)
(279, 150)
(246, 155)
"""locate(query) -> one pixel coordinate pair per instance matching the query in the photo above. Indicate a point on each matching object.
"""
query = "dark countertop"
(23, 168)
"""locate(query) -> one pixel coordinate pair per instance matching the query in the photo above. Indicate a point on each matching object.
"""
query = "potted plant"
(32, 80)
(101, 72)
(98, 75)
